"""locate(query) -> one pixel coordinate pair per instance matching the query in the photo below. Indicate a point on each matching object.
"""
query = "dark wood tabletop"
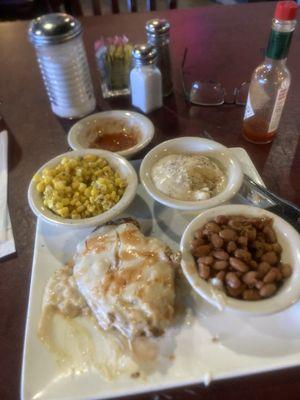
(225, 44)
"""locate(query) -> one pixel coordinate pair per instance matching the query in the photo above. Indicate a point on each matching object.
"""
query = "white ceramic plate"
(193, 145)
(78, 134)
(117, 162)
(207, 344)
(288, 237)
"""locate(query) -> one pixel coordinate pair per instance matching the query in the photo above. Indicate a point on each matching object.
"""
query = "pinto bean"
(228, 234)
(253, 264)
(235, 292)
(250, 233)
(216, 241)
(271, 275)
(269, 234)
(277, 248)
(250, 278)
(221, 219)
(202, 250)
(208, 260)
(263, 268)
(221, 275)
(212, 227)
(259, 284)
(235, 224)
(258, 245)
(243, 241)
(267, 247)
(268, 290)
(198, 234)
(204, 271)
(197, 242)
(286, 270)
(251, 295)
(219, 265)
(243, 255)
(270, 257)
(231, 247)
(232, 280)
(237, 264)
(220, 254)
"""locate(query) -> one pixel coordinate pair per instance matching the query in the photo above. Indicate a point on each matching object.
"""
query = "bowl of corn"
(82, 188)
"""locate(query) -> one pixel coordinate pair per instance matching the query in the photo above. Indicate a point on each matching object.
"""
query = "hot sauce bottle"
(271, 80)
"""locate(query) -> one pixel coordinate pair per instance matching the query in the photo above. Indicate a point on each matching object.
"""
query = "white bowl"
(117, 162)
(192, 145)
(287, 236)
(78, 138)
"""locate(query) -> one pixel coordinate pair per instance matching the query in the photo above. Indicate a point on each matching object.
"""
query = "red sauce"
(256, 131)
(115, 141)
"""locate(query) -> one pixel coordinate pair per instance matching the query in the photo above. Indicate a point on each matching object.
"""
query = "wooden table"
(225, 44)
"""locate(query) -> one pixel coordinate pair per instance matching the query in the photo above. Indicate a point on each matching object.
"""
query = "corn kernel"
(40, 187)
(90, 157)
(82, 187)
(59, 185)
(63, 212)
(80, 208)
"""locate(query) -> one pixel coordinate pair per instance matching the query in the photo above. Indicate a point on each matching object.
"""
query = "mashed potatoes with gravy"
(188, 177)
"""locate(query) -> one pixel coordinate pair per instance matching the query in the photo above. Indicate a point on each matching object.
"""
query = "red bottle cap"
(286, 10)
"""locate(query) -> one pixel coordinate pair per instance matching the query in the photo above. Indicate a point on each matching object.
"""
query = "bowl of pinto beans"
(242, 258)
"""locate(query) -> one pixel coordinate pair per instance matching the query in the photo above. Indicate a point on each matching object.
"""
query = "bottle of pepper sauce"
(271, 79)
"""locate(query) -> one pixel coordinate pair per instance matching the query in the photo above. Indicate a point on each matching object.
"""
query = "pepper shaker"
(57, 39)
(145, 79)
(158, 35)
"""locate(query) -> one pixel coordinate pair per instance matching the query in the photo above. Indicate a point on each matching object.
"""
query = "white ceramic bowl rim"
(287, 294)
(234, 182)
(125, 169)
(145, 125)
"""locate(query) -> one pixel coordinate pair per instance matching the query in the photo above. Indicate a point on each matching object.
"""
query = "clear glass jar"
(62, 60)
(158, 35)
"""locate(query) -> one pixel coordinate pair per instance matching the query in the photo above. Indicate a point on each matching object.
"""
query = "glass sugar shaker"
(158, 35)
(57, 39)
(145, 79)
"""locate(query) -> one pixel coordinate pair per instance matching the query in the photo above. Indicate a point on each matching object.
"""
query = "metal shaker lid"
(144, 54)
(53, 29)
(157, 26)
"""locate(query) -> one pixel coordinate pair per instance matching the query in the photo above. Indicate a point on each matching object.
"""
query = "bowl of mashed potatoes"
(191, 173)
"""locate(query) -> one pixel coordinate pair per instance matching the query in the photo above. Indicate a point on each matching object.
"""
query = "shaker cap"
(157, 26)
(144, 54)
(53, 29)
(286, 10)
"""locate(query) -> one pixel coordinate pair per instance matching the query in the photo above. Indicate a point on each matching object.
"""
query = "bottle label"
(279, 43)
(248, 110)
(278, 107)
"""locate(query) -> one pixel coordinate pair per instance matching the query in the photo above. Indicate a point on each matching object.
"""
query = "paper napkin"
(7, 243)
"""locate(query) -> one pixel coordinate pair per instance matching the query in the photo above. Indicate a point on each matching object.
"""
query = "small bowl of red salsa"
(122, 132)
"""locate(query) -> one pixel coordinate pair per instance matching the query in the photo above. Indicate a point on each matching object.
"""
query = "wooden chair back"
(74, 7)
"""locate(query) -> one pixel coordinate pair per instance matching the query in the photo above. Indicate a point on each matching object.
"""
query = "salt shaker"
(158, 35)
(145, 79)
(57, 39)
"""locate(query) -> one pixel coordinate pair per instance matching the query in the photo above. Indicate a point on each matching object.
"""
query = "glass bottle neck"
(274, 61)
(280, 39)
